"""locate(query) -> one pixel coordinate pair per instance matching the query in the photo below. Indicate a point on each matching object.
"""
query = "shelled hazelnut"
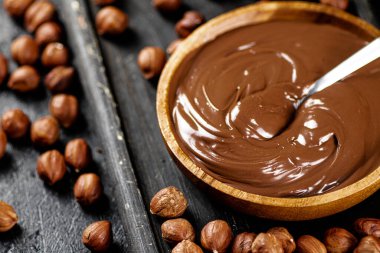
(3, 143)
(265, 242)
(38, 12)
(368, 226)
(216, 236)
(173, 46)
(59, 78)
(339, 240)
(243, 243)
(51, 167)
(45, 131)
(78, 154)
(190, 21)
(310, 244)
(24, 50)
(48, 32)
(151, 61)
(340, 4)
(17, 8)
(187, 246)
(97, 236)
(15, 123)
(368, 244)
(64, 108)
(111, 20)
(167, 6)
(55, 54)
(88, 189)
(177, 230)
(284, 237)
(8, 217)
(24, 79)
(168, 203)
(104, 2)
(3, 68)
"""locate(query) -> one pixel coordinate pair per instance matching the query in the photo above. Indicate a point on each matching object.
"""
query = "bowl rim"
(372, 180)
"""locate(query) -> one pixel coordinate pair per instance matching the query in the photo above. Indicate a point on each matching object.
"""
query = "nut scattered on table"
(111, 21)
(265, 242)
(17, 8)
(177, 230)
(187, 246)
(167, 6)
(151, 61)
(15, 123)
(64, 108)
(339, 240)
(48, 32)
(8, 217)
(173, 46)
(24, 50)
(368, 244)
(368, 226)
(3, 143)
(24, 79)
(284, 237)
(88, 189)
(59, 78)
(78, 154)
(51, 167)
(104, 2)
(55, 54)
(97, 237)
(3, 68)
(216, 236)
(310, 244)
(190, 21)
(340, 4)
(169, 202)
(39, 12)
(243, 243)
(45, 131)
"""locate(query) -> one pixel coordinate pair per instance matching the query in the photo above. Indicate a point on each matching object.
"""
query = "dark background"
(50, 219)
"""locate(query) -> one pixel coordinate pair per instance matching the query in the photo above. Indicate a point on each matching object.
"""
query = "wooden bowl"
(262, 206)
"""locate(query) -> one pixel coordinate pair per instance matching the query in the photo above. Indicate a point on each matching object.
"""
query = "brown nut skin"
(267, 243)
(151, 61)
(3, 143)
(97, 237)
(51, 167)
(177, 230)
(24, 79)
(24, 50)
(368, 244)
(310, 244)
(88, 189)
(17, 8)
(216, 236)
(55, 54)
(168, 203)
(45, 131)
(111, 21)
(8, 217)
(15, 123)
(78, 154)
(339, 240)
(104, 2)
(3, 68)
(187, 246)
(368, 226)
(38, 13)
(190, 21)
(64, 108)
(285, 238)
(173, 46)
(167, 6)
(340, 4)
(243, 243)
(59, 78)
(48, 32)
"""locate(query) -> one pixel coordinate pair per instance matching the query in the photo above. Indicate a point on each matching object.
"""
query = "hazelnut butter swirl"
(233, 110)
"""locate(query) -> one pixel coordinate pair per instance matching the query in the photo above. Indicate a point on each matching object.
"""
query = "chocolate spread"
(234, 116)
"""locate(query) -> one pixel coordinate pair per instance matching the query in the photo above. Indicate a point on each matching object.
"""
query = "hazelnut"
(265, 242)
(173, 46)
(339, 240)
(368, 226)
(17, 8)
(3, 68)
(187, 246)
(45, 131)
(38, 13)
(15, 123)
(55, 54)
(78, 154)
(216, 236)
(368, 244)
(24, 50)
(151, 61)
(64, 108)
(190, 21)
(243, 243)
(48, 33)
(8, 217)
(97, 237)
(88, 189)
(340, 4)
(59, 78)
(111, 20)
(310, 244)
(104, 2)
(24, 79)
(177, 230)
(3, 143)
(167, 5)
(285, 238)
(51, 167)
(168, 203)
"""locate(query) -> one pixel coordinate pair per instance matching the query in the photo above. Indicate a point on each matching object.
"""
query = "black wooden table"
(50, 219)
